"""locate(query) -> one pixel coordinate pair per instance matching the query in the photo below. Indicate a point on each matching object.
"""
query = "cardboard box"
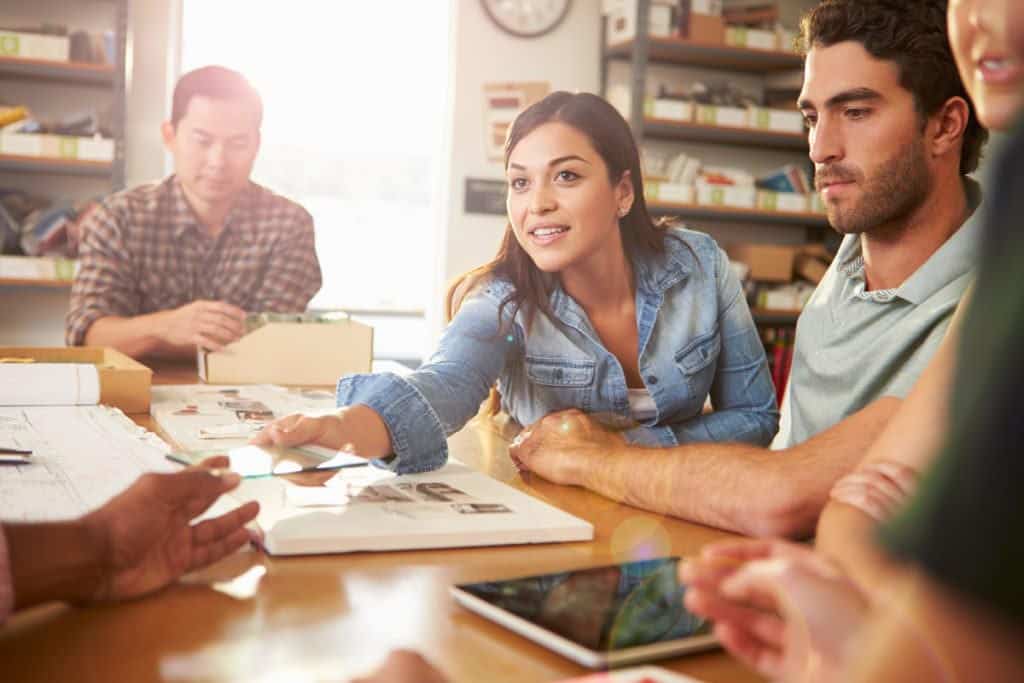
(705, 28)
(124, 382)
(739, 196)
(34, 46)
(712, 115)
(767, 262)
(810, 267)
(621, 26)
(740, 36)
(292, 354)
(781, 201)
(780, 120)
(669, 110)
(57, 146)
(669, 192)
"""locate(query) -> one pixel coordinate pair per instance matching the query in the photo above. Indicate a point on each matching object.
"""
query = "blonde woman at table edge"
(589, 304)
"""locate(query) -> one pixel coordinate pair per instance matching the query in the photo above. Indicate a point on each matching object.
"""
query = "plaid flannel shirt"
(144, 250)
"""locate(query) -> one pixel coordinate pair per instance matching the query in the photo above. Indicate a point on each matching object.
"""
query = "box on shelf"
(670, 110)
(703, 28)
(621, 26)
(740, 36)
(713, 115)
(669, 192)
(739, 196)
(781, 120)
(781, 201)
(37, 268)
(124, 382)
(815, 204)
(292, 354)
(56, 146)
(34, 46)
(811, 267)
(767, 262)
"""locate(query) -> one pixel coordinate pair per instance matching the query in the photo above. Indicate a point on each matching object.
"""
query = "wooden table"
(333, 617)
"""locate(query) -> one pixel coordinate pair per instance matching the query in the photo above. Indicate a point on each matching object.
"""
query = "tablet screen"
(603, 608)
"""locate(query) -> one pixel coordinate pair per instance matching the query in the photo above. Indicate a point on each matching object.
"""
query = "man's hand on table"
(561, 446)
(779, 607)
(210, 325)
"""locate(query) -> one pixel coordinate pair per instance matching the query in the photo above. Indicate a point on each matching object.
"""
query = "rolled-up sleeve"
(742, 392)
(6, 583)
(104, 285)
(422, 409)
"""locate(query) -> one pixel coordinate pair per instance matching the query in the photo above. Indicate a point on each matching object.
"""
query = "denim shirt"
(696, 338)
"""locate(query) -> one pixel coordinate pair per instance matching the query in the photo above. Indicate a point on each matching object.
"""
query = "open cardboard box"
(124, 383)
(292, 354)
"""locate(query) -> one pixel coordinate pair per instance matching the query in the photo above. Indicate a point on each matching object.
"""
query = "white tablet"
(600, 617)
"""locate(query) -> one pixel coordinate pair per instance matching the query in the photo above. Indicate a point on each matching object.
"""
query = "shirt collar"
(957, 256)
(186, 219)
(659, 272)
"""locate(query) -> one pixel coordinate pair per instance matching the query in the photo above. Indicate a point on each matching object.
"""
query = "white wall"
(568, 58)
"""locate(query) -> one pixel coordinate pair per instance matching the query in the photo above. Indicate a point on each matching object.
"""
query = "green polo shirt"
(854, 346)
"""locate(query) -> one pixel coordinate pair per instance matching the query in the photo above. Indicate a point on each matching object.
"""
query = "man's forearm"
(53, 561)
(846, 535)
(136, 336)
(738, 487)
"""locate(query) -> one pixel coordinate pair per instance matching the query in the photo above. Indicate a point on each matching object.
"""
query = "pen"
(8, 450)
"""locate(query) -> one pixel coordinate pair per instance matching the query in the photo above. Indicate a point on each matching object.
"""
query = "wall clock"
(526, 18)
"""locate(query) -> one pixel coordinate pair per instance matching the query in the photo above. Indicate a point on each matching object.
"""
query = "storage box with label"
(739, 196)
(740, 36)
(780, 120)
(767, 262)
(34, 46)
(669, 110)
(292, 354)
(621, 26)
(712, 115)
(703, 28)
(768, 200)
(37, 268)
(124, 382)
(815, 203)
(57, 146)
(669, 192)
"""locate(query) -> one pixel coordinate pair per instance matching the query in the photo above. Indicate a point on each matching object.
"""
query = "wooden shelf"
(34, 282)
(63, 72)
(13, 162)
(718, 56)
(665, 129)
(772, 316)
(802, 219)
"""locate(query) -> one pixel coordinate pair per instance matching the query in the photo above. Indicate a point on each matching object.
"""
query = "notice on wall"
(502, 101)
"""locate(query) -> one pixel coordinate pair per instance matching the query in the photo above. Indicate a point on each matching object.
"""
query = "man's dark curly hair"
(911, 33)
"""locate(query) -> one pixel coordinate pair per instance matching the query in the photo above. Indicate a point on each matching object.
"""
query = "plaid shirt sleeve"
(293, 273)
(104, 285)
(6, 582)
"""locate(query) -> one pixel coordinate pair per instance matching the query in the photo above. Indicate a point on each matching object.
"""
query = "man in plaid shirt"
(170, 266)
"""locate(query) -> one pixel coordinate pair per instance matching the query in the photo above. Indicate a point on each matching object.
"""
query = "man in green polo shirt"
(892, 136)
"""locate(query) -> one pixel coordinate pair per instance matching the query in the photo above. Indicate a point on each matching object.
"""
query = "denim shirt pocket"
(698, 361)
(567, 383)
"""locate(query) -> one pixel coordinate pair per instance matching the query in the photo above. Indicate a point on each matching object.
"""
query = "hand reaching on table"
(559, 446)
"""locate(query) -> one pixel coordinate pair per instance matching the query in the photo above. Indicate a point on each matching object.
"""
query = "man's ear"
(167, 133)
(946, 127)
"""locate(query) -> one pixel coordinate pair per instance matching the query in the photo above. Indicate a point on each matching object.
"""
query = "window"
(354, 96)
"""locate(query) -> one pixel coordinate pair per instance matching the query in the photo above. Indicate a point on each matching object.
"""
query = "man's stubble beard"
(896, 190)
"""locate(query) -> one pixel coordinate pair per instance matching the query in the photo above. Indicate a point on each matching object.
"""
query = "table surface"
(335, 616)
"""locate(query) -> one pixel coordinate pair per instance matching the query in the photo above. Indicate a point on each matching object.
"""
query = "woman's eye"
(517, 183)
(567, 176)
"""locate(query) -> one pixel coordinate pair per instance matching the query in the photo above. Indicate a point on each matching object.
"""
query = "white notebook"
(49, 384)
(369, 509)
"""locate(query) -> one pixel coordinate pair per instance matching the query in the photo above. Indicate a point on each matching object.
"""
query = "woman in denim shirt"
(587, 305)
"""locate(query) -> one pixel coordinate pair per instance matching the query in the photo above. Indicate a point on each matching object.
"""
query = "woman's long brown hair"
(611, 137)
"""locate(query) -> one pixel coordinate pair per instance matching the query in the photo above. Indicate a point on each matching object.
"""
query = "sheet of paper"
(49, 384)
(81, 457)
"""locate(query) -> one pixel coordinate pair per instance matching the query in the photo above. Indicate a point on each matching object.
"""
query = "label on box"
(33, 46)
(781, 201)
(672, 110)
(750, 37)
(776, 119)
(727, 195)
(670, 192)
(722, 116)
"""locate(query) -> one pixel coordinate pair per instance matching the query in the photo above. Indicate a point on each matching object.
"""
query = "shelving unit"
(47, 165)
(34, 282)
(644, 51)
(101, 75)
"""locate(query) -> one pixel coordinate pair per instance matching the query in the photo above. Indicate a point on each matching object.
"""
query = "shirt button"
(651, 379)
